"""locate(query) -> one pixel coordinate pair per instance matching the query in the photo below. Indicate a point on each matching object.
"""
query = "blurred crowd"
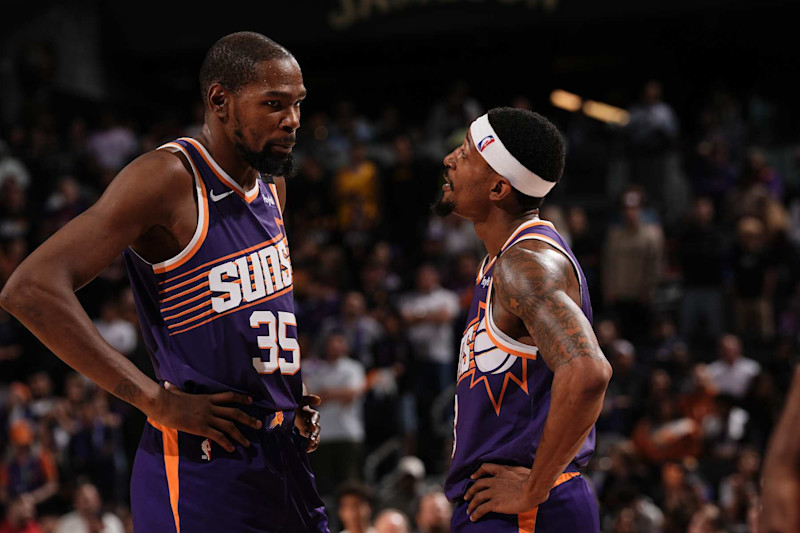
(688, 229)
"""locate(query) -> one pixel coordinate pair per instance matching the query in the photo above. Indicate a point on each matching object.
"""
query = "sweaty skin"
(151, 207)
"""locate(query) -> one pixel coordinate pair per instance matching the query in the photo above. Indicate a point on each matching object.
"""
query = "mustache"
(290, 139)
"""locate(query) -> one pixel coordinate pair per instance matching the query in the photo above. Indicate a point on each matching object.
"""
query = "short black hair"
(534, 141)
(232, 60)
(355, 488)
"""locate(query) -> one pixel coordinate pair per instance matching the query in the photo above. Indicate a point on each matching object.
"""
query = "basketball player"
(780, 495)
(531, 377)
(200, 223)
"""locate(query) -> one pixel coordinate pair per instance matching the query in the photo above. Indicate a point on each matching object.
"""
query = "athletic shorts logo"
(486, 141)
(277, 420)
(205, 446)
(218, 197)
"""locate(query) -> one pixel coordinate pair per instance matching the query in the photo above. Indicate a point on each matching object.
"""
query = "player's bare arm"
(535, 299)
(781, 475)
(150, 206)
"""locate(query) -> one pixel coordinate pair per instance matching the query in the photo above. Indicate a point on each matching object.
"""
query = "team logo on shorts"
(277, 420)
(205, 446)
(486, 141)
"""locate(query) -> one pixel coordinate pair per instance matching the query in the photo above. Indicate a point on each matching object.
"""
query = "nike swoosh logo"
(218, 197)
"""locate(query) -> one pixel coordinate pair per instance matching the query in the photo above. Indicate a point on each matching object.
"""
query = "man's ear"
(218, 100)
(501, 190)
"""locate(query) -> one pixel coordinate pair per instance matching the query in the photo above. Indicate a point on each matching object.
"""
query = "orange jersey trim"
(527, 521)
(217, 260)
(502, 345)
(203, 214)
(246, 196)
(171, 458)
(251, 304)
(514, 235)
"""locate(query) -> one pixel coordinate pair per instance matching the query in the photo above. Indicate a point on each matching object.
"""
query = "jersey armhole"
(202, 218)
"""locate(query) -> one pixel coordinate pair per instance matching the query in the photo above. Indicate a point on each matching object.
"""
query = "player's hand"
(499, 489)
(208, 415)
(307, 420)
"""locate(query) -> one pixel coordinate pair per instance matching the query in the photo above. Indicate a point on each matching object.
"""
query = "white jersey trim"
(202, 208)
(232, 183)
(502, 340)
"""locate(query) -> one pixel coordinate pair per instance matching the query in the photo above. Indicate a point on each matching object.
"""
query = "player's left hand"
(307, 420)
(499, 489)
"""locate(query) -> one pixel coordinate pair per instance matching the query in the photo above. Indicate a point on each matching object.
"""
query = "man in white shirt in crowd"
(88, 514)
(429, 312)
(340, 381)
(732, 372)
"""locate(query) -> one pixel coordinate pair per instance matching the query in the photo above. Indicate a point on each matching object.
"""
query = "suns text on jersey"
(268, 270)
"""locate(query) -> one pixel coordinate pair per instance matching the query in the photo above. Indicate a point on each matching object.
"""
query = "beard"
(442, 207)
(266, 161)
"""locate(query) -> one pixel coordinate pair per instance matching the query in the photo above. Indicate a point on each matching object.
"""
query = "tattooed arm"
(537, 285)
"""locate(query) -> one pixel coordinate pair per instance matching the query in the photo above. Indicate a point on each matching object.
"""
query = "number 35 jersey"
(219, 315)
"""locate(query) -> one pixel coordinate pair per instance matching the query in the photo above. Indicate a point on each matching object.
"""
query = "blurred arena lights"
(606, 113)
(597, 110)
(566, 100)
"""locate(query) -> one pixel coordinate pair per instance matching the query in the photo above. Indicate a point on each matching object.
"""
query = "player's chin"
(443, 206)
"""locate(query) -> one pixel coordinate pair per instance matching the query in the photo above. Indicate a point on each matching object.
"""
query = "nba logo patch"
(205, 447)
(486, 141)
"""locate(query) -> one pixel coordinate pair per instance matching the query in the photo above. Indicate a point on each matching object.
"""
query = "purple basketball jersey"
(503, 391)
(219, 316)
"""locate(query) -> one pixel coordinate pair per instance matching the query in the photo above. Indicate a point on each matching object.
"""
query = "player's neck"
(495, 230)
(224, 153)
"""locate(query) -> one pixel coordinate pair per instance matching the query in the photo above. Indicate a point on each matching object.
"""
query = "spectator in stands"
(434, 513)
(88, 513)
(701, 255)
(391, 521)
(732, 373)
(664, 434)
(362, 331)
(20, 517)
(754, 280)
(632, 267)
(340, 381)
(429, 312)
(354, 504)
(112, 145)
(405, 486)
(357, 192)
(16, 221)
(652, 136)
(30, 471)
(449, 116)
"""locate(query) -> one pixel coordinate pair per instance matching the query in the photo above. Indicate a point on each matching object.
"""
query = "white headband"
(490, 146)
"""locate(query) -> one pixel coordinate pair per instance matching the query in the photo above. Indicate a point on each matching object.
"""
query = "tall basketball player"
(200, 223)
(531, 377)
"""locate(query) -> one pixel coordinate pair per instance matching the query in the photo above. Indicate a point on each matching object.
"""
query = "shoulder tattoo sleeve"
(532, 284)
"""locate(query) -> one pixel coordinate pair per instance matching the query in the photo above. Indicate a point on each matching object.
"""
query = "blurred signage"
(351, 12)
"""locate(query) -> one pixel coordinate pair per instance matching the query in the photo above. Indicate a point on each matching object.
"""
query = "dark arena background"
(680, 199)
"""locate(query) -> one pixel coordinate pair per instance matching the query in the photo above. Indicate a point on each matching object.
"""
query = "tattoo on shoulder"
(127, 390)
(533, 286)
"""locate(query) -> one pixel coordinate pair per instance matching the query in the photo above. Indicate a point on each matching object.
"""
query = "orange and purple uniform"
(502, 402)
